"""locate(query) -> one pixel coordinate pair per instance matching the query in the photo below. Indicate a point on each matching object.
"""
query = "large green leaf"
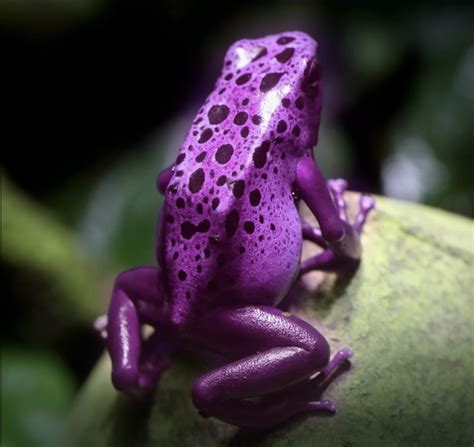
(407, 314)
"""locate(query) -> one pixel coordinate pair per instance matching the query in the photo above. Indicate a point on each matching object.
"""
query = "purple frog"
(229, 243)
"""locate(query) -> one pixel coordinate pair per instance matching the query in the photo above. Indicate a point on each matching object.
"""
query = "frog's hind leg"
(138, 298)
(271, 351)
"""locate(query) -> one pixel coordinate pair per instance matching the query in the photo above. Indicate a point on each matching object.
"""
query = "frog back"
(246, 249)
(231, 228)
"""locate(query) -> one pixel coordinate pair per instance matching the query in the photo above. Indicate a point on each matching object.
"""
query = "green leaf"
(407, 315)
(36, 393)
(41, 251)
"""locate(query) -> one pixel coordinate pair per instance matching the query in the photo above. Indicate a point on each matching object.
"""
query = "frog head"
(278, 80)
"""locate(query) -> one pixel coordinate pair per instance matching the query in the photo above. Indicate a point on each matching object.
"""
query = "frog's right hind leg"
(138, 298)
(270, 353)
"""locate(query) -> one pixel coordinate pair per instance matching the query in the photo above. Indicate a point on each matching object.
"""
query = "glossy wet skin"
(230, 212)
(229, 244)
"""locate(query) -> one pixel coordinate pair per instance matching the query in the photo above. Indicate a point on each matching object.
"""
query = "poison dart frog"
(229, 243)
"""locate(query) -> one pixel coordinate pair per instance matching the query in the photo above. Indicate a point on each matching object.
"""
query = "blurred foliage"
(37, 391)
(434, 128)
(47, 18)
(47, 262)
(119, 221)
(424, 148)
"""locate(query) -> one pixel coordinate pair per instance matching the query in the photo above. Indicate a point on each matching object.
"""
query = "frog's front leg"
(366, 203)
(271, 351)
(341, 238)
(137, 298)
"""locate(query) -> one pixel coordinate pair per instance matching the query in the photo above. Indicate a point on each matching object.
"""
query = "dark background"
(100, 94)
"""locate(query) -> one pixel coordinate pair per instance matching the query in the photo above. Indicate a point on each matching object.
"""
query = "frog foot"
(324, 405)
(322, 381)
(145, 379)
(150, 374)
(338, 187)
(141, 382)
(135, 382)
(366, 203)
(296, 398)
(100, 326)
(340, 358)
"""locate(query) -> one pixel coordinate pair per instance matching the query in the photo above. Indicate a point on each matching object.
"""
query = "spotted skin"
(229, 242)
(230, 212)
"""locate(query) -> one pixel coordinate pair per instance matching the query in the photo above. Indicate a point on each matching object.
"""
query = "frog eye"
(312, 76)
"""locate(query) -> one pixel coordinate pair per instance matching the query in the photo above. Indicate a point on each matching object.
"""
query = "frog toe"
(337, 186)
(323, 405)
(366, 204)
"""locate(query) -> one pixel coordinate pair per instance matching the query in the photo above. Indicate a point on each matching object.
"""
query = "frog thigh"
(278, 351)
